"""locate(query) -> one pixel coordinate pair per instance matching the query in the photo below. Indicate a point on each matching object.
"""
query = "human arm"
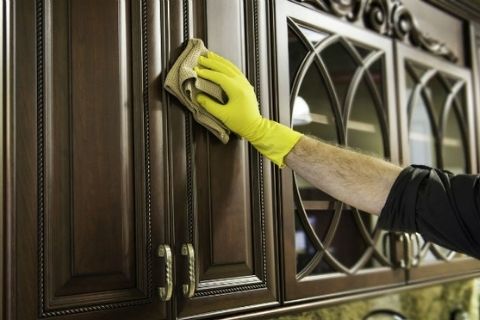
(361, 181)
(442, 207)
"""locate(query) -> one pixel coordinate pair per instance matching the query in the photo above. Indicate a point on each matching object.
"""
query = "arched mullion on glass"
(303, 69)
(303, 217)
(451, 106)
(463, 129)
(420, 93)
(322, 249)
(357, 58)
(310, 267)
(437, 134)
(358, 77)
(461, 112)
(452, 102)
(381, 112)
(361, 74)
(435, 127)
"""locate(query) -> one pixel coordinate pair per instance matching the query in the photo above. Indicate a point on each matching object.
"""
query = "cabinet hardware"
(189, 288)
(407, 247)
(416, 256)
(165, 252)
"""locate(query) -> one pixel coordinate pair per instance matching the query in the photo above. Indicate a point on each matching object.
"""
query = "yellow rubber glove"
(240, 114)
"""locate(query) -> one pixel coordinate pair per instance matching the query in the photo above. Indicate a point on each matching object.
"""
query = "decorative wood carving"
(387, 17)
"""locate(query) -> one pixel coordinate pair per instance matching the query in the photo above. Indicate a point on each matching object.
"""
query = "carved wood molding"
(387, 17)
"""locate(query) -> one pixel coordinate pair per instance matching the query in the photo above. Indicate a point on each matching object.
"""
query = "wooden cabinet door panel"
(85, 222)
(335, 82)
(437, 129)
(225, 206)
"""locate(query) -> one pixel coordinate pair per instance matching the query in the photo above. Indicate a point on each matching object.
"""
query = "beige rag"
(183, 83)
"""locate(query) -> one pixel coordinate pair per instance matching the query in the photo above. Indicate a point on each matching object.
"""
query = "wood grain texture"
(84, 192)
(227, 216)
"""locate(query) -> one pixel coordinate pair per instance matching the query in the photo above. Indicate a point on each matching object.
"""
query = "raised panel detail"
(224, 211)
(95, 186)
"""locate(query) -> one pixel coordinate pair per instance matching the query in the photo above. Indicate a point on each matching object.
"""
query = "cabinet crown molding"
(387, 17)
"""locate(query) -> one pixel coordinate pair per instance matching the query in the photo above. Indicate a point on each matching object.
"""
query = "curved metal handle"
(165, 293)
(416, 257)
(407, 245)
(189, 288)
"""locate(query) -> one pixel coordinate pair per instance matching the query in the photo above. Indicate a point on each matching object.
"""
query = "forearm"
(361, 181)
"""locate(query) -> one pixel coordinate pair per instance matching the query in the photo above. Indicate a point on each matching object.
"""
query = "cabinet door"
(335, 83)
(222, 191)
(436, 110)
(85, 195)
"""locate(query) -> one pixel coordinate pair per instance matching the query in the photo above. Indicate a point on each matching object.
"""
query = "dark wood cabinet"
(115, 193)
(341, 90)
(85, 172)
(116, 204)
(226, 214)
(437, 129)
(340, 87)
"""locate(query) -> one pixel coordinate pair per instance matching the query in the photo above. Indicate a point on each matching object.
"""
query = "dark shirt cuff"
(398, 214)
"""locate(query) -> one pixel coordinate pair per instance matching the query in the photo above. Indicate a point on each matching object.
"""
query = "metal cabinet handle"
(407, 246)
(165, 293)
(189, 252)
(416, 256)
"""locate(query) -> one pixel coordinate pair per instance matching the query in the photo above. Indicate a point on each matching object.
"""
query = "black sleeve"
(442, 207)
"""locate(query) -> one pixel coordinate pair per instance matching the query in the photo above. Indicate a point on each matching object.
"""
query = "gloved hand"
(240, 114)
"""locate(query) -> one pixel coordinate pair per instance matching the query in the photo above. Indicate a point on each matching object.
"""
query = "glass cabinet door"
(436, 111)
(338, 92)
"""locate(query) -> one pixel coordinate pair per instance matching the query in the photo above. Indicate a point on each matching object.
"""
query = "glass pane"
(422, 141)
(303, 246)
(437, 92)
(313, 36)
(363, 126)
(341, 68)
(296, 53)
(417, 69)
(321, 219)
(376, 71)
(363, 51)
(410, 85)
(453, 148)
(348, 244)
(312, 113)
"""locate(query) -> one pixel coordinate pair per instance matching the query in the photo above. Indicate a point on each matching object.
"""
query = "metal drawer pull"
(189, 288)
(165, 293)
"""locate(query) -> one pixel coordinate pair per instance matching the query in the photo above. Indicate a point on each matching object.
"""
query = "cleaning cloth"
(183, 83)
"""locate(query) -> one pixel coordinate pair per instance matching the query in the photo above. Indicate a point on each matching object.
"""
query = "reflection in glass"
(437, 92)
(376, 70)
(296, 53)
(348, 244)
(313, 36)
(363, 126)
(453, 149)
(417, 69)
(422, 141)
(312, 112)
(363, 51)
(341, 68)
(303, 246)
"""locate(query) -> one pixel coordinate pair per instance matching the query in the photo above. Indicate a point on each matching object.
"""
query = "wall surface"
(434, 302)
